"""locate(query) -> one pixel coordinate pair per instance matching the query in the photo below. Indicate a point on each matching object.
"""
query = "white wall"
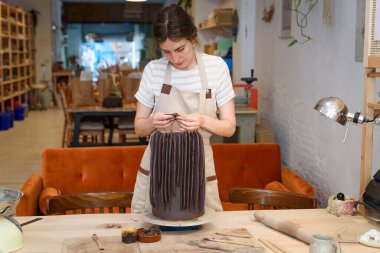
(293, 79)
(243, 55)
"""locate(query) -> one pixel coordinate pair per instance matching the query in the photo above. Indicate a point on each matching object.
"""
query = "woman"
(181, 93)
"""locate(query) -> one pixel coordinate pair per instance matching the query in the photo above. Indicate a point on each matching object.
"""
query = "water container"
(26, 109)
(19, 113)
(10, 118)
(3, 122)
(16, 103)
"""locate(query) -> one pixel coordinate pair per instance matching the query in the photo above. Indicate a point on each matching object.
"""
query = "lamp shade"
(333, 108)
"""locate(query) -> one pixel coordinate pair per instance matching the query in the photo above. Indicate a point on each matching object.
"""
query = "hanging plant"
(186, 4)
(301, 19)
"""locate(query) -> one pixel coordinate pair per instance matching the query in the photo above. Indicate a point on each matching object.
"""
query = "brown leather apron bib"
(171, 100)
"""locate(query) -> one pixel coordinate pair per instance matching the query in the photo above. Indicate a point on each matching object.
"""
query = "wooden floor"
(21, 146)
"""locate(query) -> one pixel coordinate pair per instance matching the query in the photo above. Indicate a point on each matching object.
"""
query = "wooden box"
(263, 134)
(223, 16)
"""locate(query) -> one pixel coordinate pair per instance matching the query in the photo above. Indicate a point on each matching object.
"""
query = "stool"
(263, 134)
(36, 100)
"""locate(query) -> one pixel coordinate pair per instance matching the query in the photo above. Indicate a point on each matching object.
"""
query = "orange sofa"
(76, 170)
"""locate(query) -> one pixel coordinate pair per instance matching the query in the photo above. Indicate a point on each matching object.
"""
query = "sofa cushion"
(277, 186)
(91, 169)
(228, 206)
(246, 165)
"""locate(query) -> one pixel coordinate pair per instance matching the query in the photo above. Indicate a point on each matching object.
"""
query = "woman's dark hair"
(173, 23)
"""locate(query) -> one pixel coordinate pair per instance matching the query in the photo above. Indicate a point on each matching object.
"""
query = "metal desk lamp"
(334, 108)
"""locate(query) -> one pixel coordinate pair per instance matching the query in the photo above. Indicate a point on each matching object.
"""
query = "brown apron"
(171, 100)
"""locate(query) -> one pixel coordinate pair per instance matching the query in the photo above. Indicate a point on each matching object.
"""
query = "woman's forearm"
(143, 120)
(225, 128)
(226, 124)
(144, 126)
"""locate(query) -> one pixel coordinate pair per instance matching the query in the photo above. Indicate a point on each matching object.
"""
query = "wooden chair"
(92, 202)
(269, 199)
(89, 130)
(126, 130)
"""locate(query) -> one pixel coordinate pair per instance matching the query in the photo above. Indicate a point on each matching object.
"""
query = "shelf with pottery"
(222, 30)
(16, 55)
(215, 27)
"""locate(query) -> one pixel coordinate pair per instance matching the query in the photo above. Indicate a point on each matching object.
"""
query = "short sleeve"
(224, 91)
(145, 93)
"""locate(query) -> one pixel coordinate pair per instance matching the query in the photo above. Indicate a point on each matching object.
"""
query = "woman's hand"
(190, 122)
(163, 122)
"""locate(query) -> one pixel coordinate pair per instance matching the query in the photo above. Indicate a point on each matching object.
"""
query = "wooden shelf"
(374, 105)
(225, 30)
(373, 74)
(215, 27)
(371, 108)
(16, 55)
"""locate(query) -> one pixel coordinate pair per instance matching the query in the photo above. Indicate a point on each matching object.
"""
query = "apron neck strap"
(168, 74)
(202, 74)
(201, 68)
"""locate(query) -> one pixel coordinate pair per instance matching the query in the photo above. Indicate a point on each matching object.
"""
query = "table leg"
(77, 119)
(110, 137)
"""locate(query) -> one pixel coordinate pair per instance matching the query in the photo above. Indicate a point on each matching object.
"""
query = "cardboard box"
(263, 134)
(223, 16)
(129, 86)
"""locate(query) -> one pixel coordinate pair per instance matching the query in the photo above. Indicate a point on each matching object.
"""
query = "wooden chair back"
(269, 199)
(92, 202)
(64, 93)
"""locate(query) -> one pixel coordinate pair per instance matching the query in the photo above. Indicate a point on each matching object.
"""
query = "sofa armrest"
(48, 192)
(295, 183)
(28, 205)
(276, 186)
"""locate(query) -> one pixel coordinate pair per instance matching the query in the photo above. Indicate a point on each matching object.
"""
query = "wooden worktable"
(50, 233)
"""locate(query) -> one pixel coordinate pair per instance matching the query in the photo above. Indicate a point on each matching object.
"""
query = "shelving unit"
(225, 30)
(370, 63)
(17, 71)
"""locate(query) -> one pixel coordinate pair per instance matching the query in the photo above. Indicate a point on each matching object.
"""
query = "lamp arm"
(356, 118)
(376, 119)
(360, 118)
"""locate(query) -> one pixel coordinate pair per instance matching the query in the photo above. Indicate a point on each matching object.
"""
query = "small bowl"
(149, 235)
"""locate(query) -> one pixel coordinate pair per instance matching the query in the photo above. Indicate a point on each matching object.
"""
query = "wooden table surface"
(128, 109)
(52, 232)
(98, 108)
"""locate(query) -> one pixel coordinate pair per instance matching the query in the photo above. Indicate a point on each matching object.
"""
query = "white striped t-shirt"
(218, 77)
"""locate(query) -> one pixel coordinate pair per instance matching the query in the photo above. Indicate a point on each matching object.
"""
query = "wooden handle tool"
(229, 242)
(97, 241)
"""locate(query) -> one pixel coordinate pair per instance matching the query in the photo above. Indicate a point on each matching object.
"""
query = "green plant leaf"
(297, 3)
(293, 42)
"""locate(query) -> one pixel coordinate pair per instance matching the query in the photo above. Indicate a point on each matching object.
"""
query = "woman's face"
(180, 53)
